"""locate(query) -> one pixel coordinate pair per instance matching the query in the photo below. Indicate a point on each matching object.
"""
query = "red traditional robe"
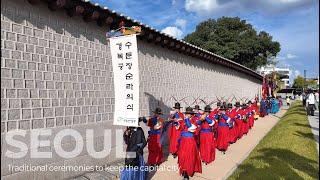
(233, 131)
(188, 154)
(251, 110)
(207, 139)
(155, 156)
(238, 117)
(223, 132)
(245, 125)
(174, 133)
(215, 126)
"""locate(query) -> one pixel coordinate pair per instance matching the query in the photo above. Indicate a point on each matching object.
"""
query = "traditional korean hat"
(249, 102)
(157, 111)
(223, 107)
(218, 103)
(244, 105)
(189, 110)
(197, 107)
(207, 108)
(177, 105)
(229, 105)
(237, 104)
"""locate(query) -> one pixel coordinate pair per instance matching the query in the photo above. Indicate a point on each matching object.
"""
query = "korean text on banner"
(126, 80)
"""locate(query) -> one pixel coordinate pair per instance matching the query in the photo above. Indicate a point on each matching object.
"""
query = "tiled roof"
(153, 35)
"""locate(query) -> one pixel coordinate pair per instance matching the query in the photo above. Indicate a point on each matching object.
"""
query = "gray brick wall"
(56, 73)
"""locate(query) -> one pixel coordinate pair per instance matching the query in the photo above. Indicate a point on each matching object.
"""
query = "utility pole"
(305, 79)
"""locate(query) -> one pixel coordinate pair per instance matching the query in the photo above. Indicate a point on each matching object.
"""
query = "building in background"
(283, 71)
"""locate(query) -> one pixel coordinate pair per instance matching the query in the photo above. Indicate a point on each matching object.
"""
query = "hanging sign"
(126, 79)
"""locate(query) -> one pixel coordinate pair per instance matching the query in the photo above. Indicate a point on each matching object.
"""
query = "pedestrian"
(288, 101)
(234, 130)
(155, 156)
(188, 155)
(223, 129)
(251, 110)
(198, 115)
(316, 94)
(174, 132)
(245, 119)
(207, 140)
(134, 162)
(310, 103)
(304, 99)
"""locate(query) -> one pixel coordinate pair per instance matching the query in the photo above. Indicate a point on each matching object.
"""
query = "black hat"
(219, 103)
(177, 106)
(224, 103)
(189, 110)
(237, 104)
(141, 119)
(229, 105)
(223, 107)
(157, 111)
(249, 102)
(244, 105)
(207, 108)
(197, 107)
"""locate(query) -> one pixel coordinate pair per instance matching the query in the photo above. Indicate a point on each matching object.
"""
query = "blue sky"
(293, 23)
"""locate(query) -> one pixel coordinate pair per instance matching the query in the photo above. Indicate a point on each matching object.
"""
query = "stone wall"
(56, 73)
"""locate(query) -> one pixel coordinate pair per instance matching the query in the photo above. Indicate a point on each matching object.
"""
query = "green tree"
(236, 40)
(299, 82)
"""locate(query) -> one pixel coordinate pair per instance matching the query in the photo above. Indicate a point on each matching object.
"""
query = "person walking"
(288, 101)
(316, 94)
(155, 156)
(207, 140)
(310, 100)
(134, 162)
(174, 132)
(189, 160)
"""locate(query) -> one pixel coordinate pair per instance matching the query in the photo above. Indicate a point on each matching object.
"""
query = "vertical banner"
(124, 54)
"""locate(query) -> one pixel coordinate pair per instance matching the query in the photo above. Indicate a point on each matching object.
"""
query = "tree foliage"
(236, 40)
(299, 82)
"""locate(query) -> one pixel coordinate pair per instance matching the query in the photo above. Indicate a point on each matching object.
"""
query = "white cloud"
(173, 31)
(181, 23)
(296, 73)
(213, 7)
(291, 56)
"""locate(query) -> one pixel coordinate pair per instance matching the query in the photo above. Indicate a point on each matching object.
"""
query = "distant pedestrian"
(310, 100)
(304, 99)
(288, 101)
(316, 94)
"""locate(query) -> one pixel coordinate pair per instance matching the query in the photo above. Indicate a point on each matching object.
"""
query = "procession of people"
(194, 135)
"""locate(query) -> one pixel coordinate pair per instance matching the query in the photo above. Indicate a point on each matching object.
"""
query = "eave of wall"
(106, 17)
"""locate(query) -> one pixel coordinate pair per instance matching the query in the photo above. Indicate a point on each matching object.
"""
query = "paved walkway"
(314, 123)
(225, 164)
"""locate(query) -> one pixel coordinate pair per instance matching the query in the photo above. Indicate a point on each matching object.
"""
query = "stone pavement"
(224, 164)
(314, 123)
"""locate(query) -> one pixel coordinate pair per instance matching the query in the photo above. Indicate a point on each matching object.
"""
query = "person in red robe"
(188, 155)
(245, 119)
(212, 114)
(251, 112)
(198, 115)
(238, 119)
(174, 132)
(155, 156)
(223, 129)
(233, 131)
(207, 140)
